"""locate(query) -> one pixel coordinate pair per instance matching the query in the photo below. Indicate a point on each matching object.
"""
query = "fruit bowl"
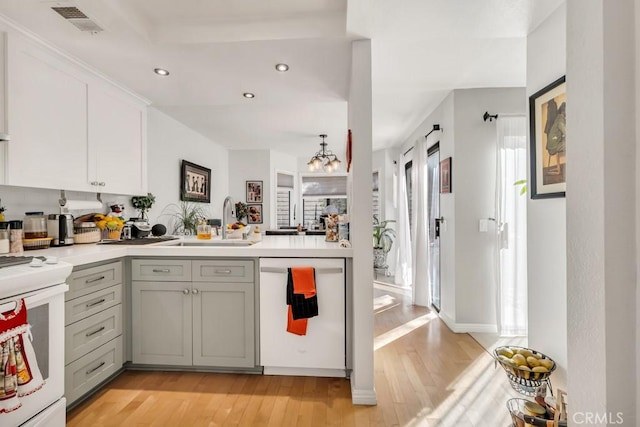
(238, 233)
(526, 368)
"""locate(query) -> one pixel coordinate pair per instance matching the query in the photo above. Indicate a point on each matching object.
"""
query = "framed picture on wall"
(254, 214)
(445, 175)
(195, 183)
(254, 191)
(547, 122)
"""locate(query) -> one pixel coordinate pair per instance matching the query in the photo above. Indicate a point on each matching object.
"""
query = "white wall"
(474, 170)
(467, 268)
(360, 122)
(169, 142)
(546, 218)
(251, 165)
(601, 222)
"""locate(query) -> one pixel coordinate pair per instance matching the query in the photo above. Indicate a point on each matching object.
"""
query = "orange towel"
(298, 327)
(304, 281)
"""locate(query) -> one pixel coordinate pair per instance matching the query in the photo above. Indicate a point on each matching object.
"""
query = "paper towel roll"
(82, 205)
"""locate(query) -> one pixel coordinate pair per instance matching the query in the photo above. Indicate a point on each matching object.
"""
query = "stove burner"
(10, 261)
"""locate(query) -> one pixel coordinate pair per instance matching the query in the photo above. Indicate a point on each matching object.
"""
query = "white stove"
(41, 286)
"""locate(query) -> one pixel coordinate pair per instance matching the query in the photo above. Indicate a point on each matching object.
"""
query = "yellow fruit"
(112, 225)
(532, 362)
(547, 363)
(519, 360)
(102, 224)
(540, 369)
(505, 351)
(505, 359)
(525, 352)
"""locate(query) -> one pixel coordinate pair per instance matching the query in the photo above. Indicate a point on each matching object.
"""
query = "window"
(284, 188)
(376, 196)
(407, 170)
(321, 191)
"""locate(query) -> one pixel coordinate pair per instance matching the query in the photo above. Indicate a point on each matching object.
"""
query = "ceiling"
(216, 50)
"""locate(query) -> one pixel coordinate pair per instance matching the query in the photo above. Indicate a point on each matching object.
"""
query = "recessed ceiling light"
(161, 71)
(248, 95)
(282, 67)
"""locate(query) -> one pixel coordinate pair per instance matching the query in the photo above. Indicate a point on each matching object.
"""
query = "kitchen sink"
(139, 241)
(228, 242)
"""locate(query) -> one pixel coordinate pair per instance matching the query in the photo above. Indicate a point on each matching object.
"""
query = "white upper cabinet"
(47, 120)
(70, 129)
(116, 142)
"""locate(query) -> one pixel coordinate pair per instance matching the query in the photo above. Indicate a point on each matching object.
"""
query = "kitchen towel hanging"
(20, 373)
(302, 300)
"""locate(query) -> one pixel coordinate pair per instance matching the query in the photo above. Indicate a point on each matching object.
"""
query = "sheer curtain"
(511, 226)
(419, 227)
(404, 273)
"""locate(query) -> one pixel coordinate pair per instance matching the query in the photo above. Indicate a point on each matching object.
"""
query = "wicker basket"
(522, 381)
(40, 243)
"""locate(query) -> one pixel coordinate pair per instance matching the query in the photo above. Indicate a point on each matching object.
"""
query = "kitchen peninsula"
(189, 304)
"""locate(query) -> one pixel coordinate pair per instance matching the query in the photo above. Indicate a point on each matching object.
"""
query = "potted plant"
(185, 217)
(383, 236)
(143, 204)
(241, 211)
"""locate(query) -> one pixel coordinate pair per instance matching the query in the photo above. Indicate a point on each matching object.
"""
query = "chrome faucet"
(227, 206)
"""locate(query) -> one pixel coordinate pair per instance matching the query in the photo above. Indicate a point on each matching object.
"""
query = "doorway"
(433, 205)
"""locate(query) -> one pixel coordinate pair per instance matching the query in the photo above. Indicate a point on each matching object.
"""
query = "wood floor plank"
(425, 375)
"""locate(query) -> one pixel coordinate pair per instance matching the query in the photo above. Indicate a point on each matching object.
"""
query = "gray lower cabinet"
(206, 321)
(93, 328)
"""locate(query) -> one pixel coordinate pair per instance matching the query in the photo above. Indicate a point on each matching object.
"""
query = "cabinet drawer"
(228, 271)
(88, 305)
(160, 270)
(90, 370)
(92, 279)
(90, 333)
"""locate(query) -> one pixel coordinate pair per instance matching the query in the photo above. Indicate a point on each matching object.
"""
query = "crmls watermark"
(609, 418)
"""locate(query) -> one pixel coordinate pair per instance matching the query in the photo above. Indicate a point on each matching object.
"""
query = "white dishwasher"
(321, 352)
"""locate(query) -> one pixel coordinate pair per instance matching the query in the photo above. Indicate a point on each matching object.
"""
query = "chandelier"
(324, 159)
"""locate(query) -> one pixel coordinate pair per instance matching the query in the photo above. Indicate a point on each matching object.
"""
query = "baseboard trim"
(363, 397)
(305, 372)
(463, 328)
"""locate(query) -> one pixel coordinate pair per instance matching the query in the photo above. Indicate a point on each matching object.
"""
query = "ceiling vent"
(78, 18)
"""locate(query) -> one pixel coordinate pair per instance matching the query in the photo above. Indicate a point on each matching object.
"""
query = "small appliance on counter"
(140, 228)
(60, 228)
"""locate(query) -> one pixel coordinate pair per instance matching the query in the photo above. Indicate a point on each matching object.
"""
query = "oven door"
(45, 314)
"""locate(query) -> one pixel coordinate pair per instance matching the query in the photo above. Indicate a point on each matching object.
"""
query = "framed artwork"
(547, 122)
(195, 183)
(254, 214)
(254, 191)
(445, 175)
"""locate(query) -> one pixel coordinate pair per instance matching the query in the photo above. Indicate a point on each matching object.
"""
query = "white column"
(360, 123)
(601, 216)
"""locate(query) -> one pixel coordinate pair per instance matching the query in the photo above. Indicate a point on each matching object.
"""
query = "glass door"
(433, 204)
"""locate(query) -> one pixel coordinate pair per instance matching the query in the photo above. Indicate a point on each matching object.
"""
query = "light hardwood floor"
(425, 375)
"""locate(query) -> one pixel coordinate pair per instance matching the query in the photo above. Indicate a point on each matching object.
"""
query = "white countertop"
(270, 246)
(24, 278)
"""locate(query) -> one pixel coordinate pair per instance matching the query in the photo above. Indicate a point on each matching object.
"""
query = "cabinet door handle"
(94, 183)
(223, 271)
(100, 329)
(185, 291)
(161, 270)
(91, 304)
(96, 368)
(95, 279)
(195, 291)
(102, 183)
